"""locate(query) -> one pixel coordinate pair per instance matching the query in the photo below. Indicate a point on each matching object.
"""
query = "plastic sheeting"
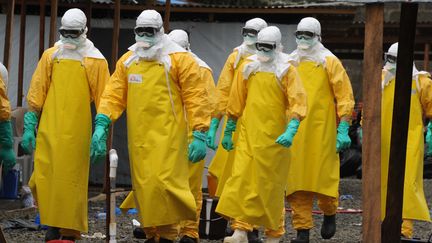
(212, 42)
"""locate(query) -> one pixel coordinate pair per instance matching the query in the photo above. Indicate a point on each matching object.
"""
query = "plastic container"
(9, 186)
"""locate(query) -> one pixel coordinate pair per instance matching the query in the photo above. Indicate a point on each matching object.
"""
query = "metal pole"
(371, 150)
(391, 226)
(8, 34)
(53, 22)
(21, 53)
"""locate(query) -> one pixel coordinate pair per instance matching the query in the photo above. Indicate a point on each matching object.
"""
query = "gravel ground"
(349, 225)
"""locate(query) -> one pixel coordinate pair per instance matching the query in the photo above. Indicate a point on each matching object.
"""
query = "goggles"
(249, 32)
(71, 33)
(306, 35)
(266, 47)
(390, 58)
(146, 31)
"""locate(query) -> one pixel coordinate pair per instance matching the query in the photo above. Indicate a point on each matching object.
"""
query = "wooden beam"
(116, 33)
(21, 53)
(167, 15)
(53, 22)
(89, 14)
(391, 226)
(426, 57)
(8, 35)
(2, 237)
(41, 27)
(371, 150)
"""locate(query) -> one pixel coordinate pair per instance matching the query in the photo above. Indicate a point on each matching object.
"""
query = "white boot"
(239, 236)
(272, 240)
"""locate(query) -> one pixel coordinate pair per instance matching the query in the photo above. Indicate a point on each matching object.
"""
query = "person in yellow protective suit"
(221, 165)
(7, 155)
(153, 81)
(267, 86)
(313, 158)
(67, 78)
(414, 201)
(189, 229)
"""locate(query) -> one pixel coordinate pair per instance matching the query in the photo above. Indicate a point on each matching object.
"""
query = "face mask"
(265, 56)
(391, 67)
(248, 40)
(145, 41)
(72, 43)
(305, 44)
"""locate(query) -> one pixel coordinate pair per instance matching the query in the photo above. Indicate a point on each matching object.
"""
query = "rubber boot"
(163, 240)
(139, 233)
(187, 239)
(239, 236)
(328, 227)
(253, 236)
(52, 233)
(302, 236)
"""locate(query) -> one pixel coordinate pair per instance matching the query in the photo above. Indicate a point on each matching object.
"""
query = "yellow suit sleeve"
(207, 78)
(238, 95)
(341, 86)
(296, 94)
(5, 109)
(114, 97)
(98, 76)
(426, 94)
(192, 89)
(40, 82)
(224, 84)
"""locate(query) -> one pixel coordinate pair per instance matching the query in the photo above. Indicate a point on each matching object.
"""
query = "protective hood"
(180, 37)
(389, 76)
(87, 49)
(74, 19)
(4, 74)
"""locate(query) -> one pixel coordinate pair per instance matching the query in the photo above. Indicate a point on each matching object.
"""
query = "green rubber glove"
(227, 142)
(287, 137)
(343, 141)
(211, 134)
(28, 142)
(197, 148)
(98, 148)
(7, 154)
(429, 139)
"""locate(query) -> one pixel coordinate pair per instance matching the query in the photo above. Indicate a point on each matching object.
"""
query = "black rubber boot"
(139, 233)
(52, 233)
(187, 239)
(328, 228)
(253, 236)
(302, 236)
(163, 240)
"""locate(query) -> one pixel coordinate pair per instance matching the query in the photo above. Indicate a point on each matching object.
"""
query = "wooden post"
(167, 15)
(426, 57)
(41, 27)
(89, 9)
(149, 4)
(8, 35)
(116, 33)
(2, 237)
(391, 226)
(21, 53)
(53, 22)
(371, 151)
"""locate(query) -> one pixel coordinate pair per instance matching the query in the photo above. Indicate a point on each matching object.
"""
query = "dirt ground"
(349, 225)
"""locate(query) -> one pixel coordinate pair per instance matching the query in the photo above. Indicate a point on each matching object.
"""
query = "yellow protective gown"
(5, 110)
(189, 227)
(313, 161)
(157, 131)
(221, 165)
(255, 192)
(60, 89)
(414, 202)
